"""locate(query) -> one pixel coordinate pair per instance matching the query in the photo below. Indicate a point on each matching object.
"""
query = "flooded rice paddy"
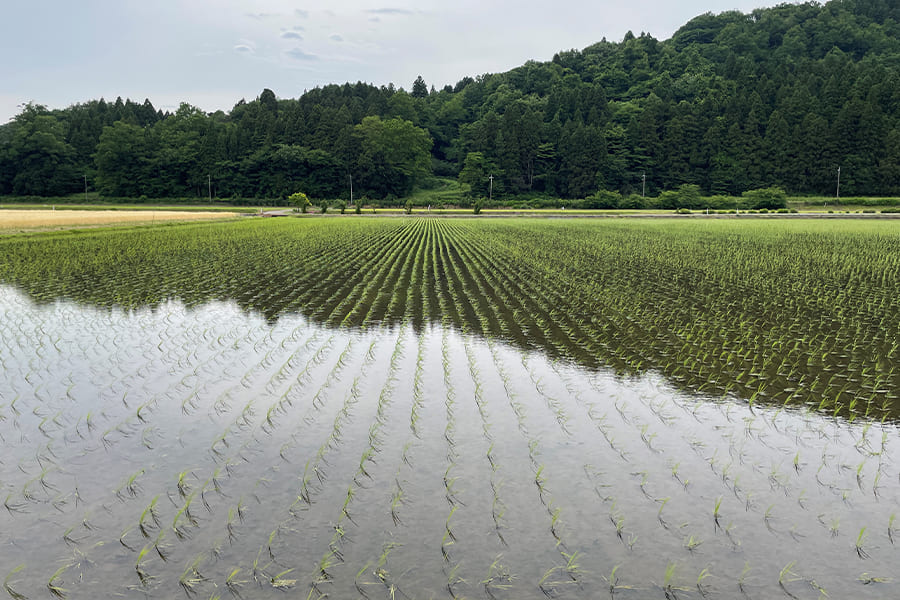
(195, 445)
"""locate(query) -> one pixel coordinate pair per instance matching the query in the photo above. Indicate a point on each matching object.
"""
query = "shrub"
(602, 199)
(633, 201)
(769, 198)
(686, 196)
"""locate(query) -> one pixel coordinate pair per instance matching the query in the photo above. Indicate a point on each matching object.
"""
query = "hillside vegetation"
(782, 96)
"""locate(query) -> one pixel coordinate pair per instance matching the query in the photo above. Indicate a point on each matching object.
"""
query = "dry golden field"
(52, 219)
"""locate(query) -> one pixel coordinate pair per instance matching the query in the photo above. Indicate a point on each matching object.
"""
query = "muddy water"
(206, 450)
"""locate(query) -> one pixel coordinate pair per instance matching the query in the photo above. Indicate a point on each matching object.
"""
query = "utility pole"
(351, 190)
(85, 188)
(209, 183)
(837, 194)
(643, 184)
(491, 189)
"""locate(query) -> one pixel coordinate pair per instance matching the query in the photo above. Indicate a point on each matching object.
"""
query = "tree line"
(781, 96)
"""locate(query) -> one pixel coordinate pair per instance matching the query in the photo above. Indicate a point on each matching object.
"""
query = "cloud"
(389, 11)
(291, 35)
(303, 14)
(335, 38)
(260, 16)
(298, 54)
(243, 48)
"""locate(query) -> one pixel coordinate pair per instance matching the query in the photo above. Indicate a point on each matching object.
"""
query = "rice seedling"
(717, 512)
(860, 540)
(8, 583)
(787, 575)
(890, 528)
(191, 578)
(867, 579)
(742, 579)
(54, 584)
(691, 543)
(701, 586)
(669, 586)
(140, 566)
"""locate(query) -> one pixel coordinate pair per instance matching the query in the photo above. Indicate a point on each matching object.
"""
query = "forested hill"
(781, 96)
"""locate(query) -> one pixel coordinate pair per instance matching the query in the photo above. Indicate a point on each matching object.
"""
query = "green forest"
(732, 102)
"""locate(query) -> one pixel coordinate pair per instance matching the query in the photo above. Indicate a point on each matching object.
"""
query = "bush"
(602, 199)
(407, 208)
(720, 202)
(769, 198)
(633, 201)
(683, 211)
(686, 196)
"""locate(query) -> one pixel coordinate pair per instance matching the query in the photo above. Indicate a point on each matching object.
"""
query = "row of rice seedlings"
(571, 569)
(521, 327)
(334, 556)
(384, 576)
(314, 476)
(388, 297)
(358, 306)
(308, 489)
(410, 287)
(427, 277)
(352, 300)
(488, 306)
(450, 489)
(506, 293)
(352, 259)
(184, 519)
(542, 320)
(447, 300)
(690, 541)
(485, 320)
(466, 304)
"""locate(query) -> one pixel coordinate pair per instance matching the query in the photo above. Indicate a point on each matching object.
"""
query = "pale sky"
(212, 53)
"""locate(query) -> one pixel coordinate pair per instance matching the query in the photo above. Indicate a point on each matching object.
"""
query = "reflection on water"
(206, 449)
